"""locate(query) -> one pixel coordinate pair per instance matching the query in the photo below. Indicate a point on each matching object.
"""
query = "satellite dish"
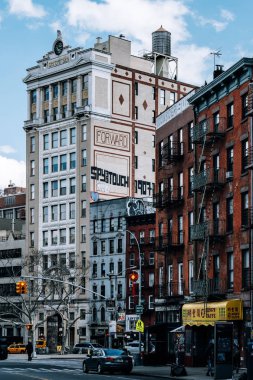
(94, 196)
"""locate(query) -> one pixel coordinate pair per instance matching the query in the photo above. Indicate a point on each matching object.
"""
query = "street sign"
(139, 326)
(139, 309)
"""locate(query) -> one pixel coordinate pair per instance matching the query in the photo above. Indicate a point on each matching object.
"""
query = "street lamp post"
(140, 275)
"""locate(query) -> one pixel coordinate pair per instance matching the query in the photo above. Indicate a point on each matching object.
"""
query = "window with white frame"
(32, 191)
(32, 168)
(170, 280)
(162, 97)
(32, 215)
(142, 237)
(191, 274)
(63, 211)
(151, 280)
(180, 279)
(151, 303)
(151, 258)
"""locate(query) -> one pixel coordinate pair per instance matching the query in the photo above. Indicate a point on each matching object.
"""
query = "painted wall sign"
(174, 110)
(144, 187)
(107, 176)
(112, 139)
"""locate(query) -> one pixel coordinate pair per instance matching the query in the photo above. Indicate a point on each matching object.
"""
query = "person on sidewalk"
(29, 350)
(210, 358)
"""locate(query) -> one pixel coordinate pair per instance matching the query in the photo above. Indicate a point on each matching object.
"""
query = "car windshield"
(114, 352)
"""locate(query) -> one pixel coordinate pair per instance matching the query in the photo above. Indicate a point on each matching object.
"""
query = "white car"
(133, 347)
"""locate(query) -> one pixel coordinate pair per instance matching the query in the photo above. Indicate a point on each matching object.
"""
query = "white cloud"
(12, 170)
(26, 8)
(227, 15)
(7, 149)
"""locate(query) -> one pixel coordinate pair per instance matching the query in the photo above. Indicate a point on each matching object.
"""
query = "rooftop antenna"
(215, 54)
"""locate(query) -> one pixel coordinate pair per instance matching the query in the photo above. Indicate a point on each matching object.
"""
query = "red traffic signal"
(133, 276)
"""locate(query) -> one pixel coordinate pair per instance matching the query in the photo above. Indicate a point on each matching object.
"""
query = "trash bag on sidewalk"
(178, 370)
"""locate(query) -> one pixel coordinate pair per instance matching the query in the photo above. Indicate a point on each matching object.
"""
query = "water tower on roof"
(164, 64)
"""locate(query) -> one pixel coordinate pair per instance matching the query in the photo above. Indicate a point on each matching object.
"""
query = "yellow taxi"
(17, 348)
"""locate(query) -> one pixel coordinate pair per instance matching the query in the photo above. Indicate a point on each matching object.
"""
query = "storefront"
(199, 319)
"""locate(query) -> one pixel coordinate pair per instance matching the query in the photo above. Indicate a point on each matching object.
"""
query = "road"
(19, 368)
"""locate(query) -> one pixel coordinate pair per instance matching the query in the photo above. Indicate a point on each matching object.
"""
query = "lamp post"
(139, 293)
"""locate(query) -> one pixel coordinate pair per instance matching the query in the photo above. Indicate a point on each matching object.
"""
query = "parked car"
(133, 347)
(85, 347)
(17, 348)
(108, 359)
(3, 348)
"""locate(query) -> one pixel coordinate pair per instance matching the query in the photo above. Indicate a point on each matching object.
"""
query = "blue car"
(108, 360)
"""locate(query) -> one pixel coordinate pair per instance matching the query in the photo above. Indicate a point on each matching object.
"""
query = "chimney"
(218, 70)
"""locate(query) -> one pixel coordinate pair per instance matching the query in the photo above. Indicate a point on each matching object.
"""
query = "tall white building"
(90, 134)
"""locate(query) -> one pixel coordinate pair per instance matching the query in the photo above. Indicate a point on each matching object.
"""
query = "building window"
(55, 113)
(245, 209)
(63, 162)
(83, 208)
(180, 185)
(54, 164)
(172, 98)
(83, 234)
(216, 121)
(180, 230)
(136, 137)
(151, 258)
(33, 96)
(45, 214)
(63, 187)
(46, 93)
(230, 163)
(95, 226)
(136, 162)
(84, 132)
(63, 138)
(120, 249)
(45, 239)
(32, 144)
(72, 135)
(244, 106)
(84, 182)
(54, 188)
(111, 246)
(190, 136)
(63, 238)
(85, 81)
(73, 85)
(132, 259)
(102, 247)
(64, 111)
(190, 181)
(102, 225)
(72, 158)
(136, 113)
(245, 155)
(151, 236)
(32, 168)
(111, 224)
(46, 142)
(54, 213)
(46, 116)
(162, 97)
(153, 117)
(72, 185)
(45, 190)
(230, 115)
(230, 270)
(72, 210)
(153, 141)
(55, 140)
(55, 91)
(32, 191)
(180, 279)
(95, 248)
(73, 108)
(64, 88)
(153, 93)
(191, 276)
(84, 157)
(136, 88)
(63, 211)
(229, 212)
(153, 165)
(32, 215)
(245, 269)
(72, 260)
(72, 235)
(54, 237)
(160, 154)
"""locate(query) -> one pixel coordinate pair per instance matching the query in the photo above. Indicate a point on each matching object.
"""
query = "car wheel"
(99, 369)
(85, 368)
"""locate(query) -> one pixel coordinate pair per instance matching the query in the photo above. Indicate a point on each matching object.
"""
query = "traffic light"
(18, 287)
(133, 276)
(21, 287)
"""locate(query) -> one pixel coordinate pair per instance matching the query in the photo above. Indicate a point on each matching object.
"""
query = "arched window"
(94, 314)
(102, 314)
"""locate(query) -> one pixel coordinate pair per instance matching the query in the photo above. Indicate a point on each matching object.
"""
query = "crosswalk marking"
(76, 371)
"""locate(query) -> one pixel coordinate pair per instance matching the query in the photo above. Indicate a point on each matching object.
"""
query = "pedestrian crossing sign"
(139, 326)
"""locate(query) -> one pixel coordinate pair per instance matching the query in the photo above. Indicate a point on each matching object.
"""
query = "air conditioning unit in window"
(229, 175)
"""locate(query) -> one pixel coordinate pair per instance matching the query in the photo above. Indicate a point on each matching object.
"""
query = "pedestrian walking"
(29, 350)
(210, 358)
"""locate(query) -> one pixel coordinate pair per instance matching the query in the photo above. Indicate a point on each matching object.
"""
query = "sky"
(28, 29)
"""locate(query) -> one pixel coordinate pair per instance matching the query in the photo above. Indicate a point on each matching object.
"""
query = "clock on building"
(58, 47)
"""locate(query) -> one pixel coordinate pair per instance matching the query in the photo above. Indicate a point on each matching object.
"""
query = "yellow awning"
(200, 313)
